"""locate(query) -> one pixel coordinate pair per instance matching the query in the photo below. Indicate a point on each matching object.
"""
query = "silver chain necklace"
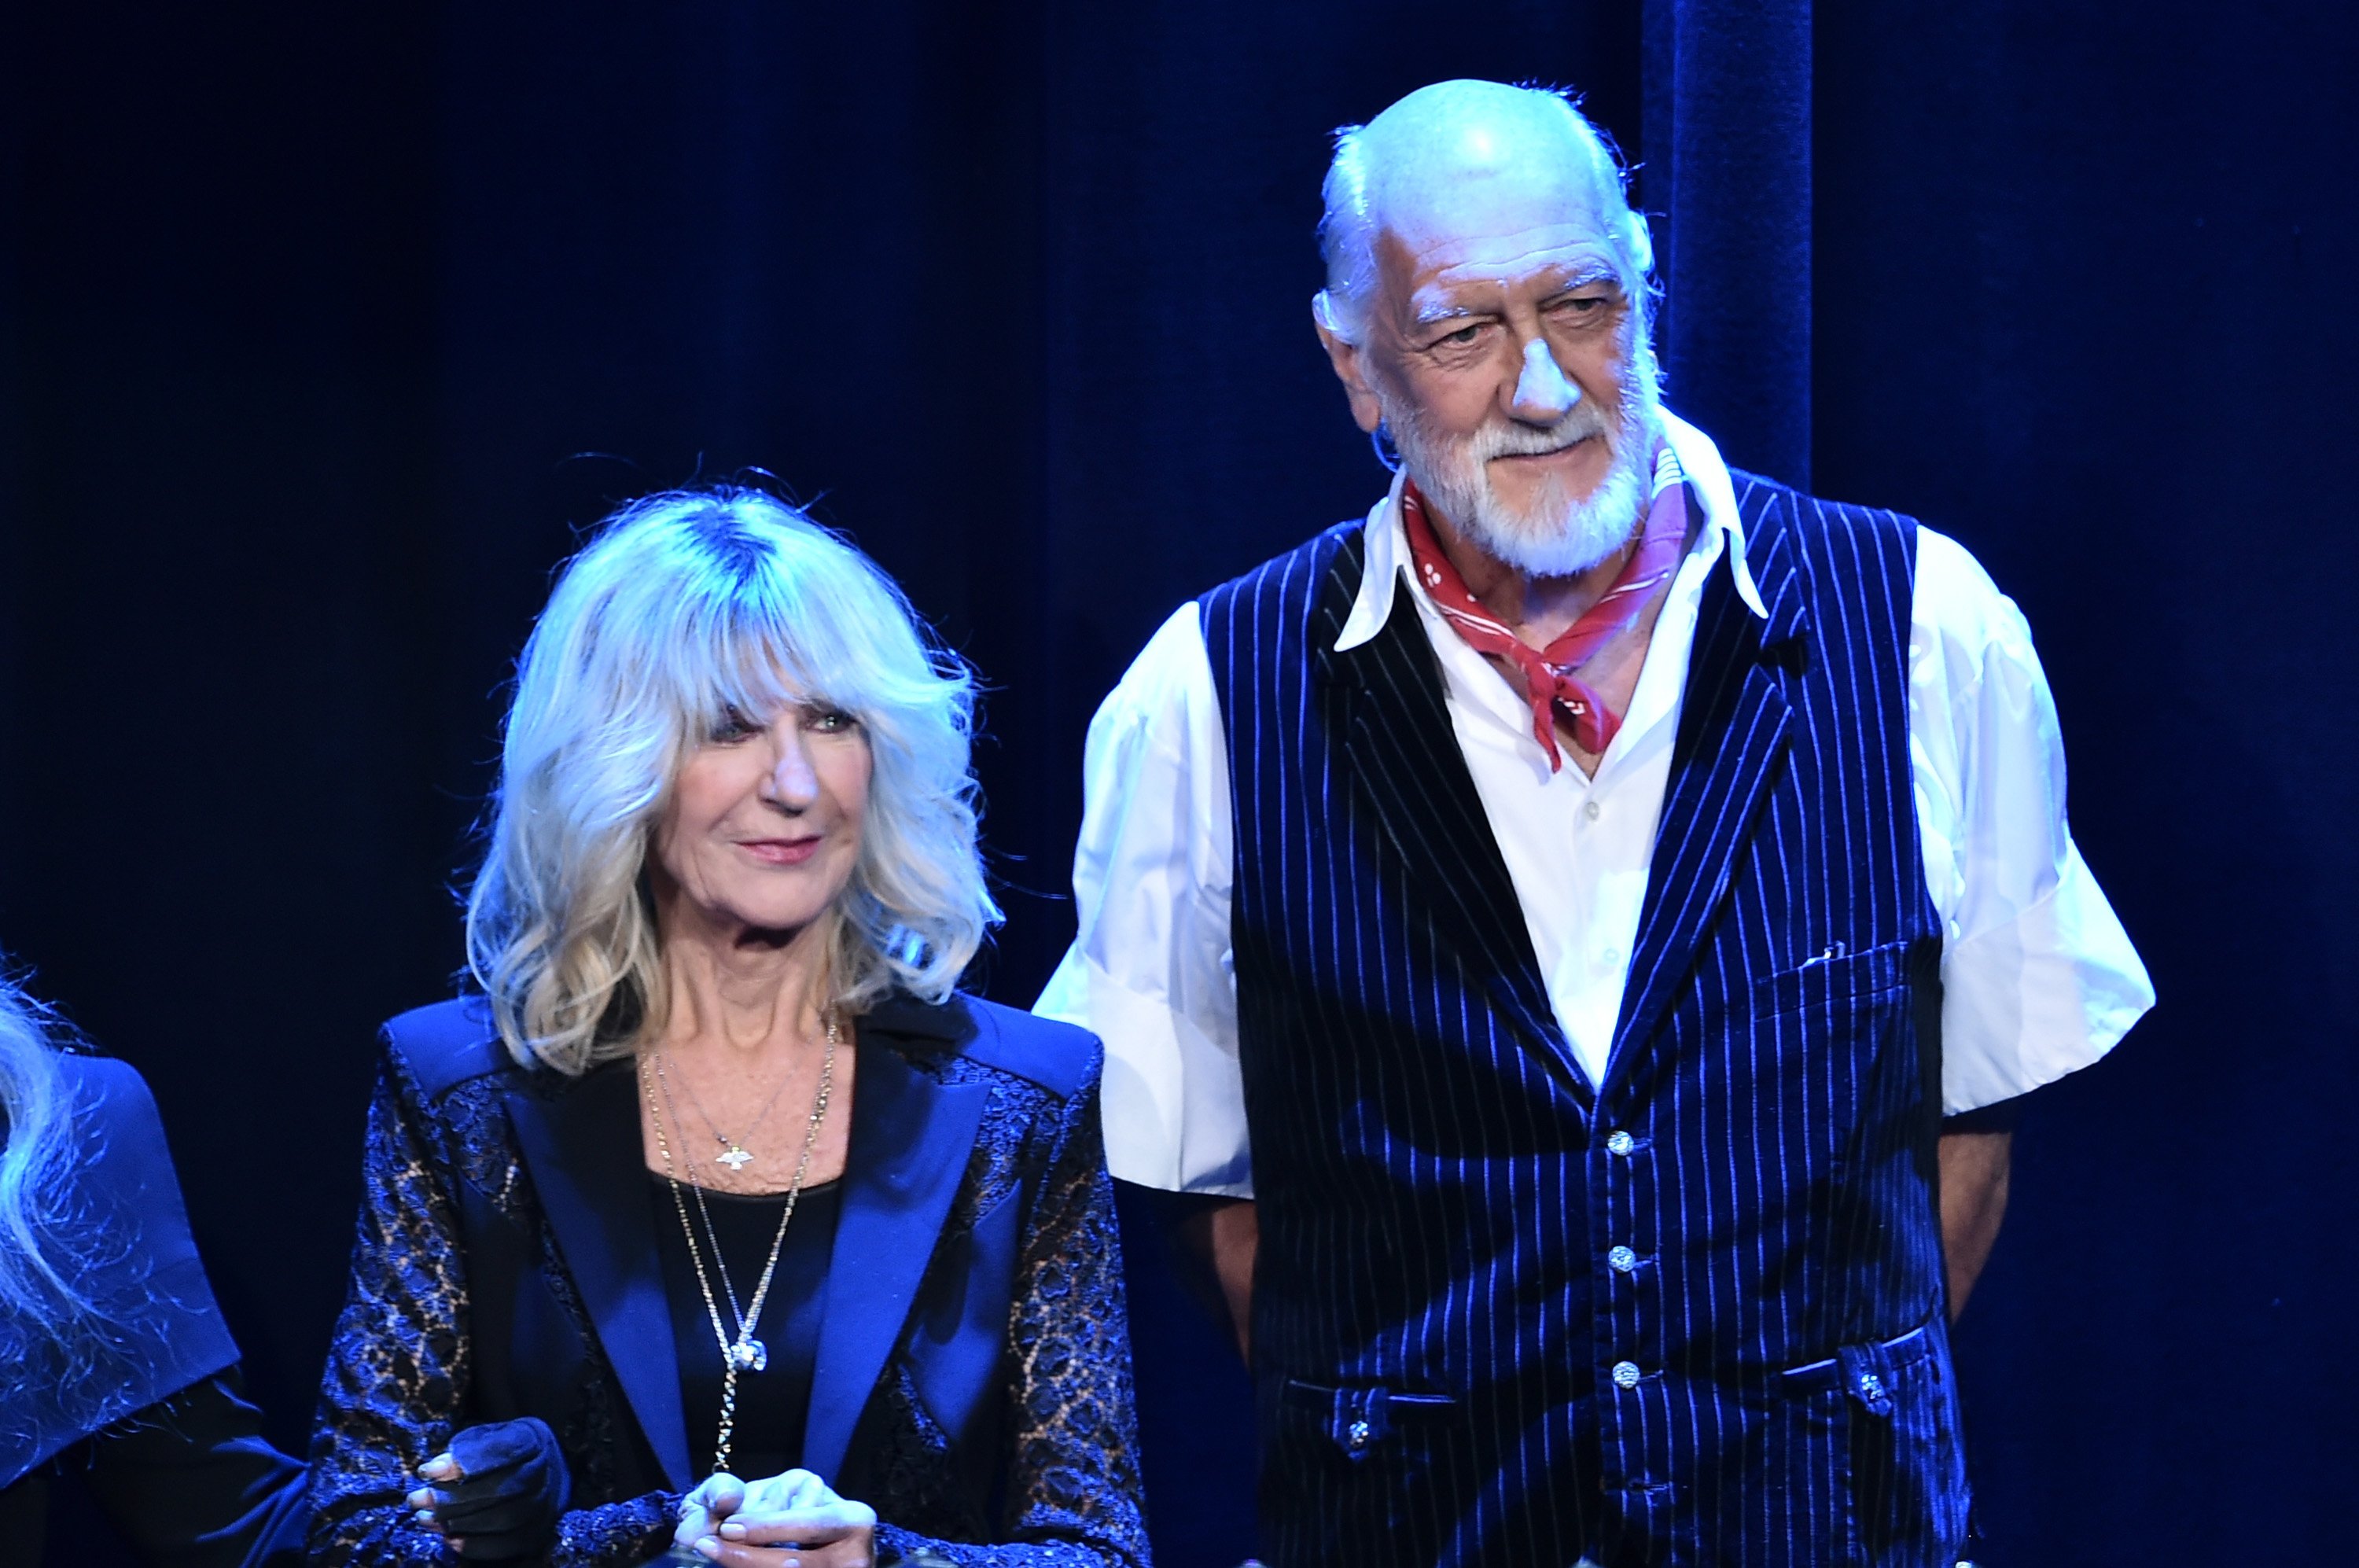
(740, 1352)
(695, 1185)
(735, 1154)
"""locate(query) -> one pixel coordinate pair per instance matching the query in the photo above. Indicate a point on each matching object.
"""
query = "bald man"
(1548, 922)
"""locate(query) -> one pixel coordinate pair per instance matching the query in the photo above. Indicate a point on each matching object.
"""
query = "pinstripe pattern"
(1435, 1316)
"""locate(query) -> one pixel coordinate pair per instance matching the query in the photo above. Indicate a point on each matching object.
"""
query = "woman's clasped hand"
(790, 1520)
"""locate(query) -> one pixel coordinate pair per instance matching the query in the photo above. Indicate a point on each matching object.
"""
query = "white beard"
(1556, 533)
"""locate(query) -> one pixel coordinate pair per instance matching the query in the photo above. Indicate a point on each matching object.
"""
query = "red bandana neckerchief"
(1549, 678)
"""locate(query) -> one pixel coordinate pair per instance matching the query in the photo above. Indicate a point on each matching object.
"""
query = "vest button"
(1625, 1374)
(1620, 1143)
(1622, 1260)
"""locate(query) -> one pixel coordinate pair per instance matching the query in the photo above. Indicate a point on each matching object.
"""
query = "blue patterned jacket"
(972, 1380)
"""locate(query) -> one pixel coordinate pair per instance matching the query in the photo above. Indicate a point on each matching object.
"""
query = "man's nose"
(793, 782)
(1544, 394)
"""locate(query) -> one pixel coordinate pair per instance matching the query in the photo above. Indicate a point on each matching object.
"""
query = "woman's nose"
(792, 783)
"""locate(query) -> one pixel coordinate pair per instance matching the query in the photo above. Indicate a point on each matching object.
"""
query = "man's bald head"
(1424, 160)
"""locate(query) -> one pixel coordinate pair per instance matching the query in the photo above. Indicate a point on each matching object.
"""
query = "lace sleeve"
(396, 1381)
(1073, 1494)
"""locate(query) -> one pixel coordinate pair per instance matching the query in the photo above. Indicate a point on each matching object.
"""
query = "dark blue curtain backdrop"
(1726, 152)
(322, 329)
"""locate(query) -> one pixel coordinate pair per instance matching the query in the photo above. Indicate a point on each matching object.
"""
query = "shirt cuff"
(2047, 994)
(1173, 1100)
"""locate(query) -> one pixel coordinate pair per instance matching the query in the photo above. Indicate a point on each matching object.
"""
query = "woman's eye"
(831, 721)
(732, 726)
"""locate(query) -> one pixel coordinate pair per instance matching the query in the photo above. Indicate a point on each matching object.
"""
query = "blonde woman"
(720, 1175)
(116, 1372)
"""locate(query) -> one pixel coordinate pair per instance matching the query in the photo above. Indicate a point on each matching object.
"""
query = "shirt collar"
(1722, 530)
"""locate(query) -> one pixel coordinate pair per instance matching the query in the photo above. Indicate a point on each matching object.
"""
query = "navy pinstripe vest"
(1694, 1317)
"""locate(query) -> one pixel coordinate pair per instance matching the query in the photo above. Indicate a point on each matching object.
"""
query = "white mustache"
(1504, 438)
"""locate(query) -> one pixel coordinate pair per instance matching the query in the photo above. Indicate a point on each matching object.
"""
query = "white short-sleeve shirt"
(2039, 978)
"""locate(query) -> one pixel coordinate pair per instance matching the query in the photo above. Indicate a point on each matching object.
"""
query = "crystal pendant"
(749, 1356)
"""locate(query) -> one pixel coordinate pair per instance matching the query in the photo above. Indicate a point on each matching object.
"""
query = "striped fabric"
(1502, 1318)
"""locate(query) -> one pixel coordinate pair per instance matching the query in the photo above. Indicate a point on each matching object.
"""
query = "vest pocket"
(1829, 1042)
(1899, 1440)
(1365, 1469)
(1837, 974)
(1361, 1422)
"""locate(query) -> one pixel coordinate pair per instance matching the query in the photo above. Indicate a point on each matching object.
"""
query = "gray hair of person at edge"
(1471, 120)
(684, 609)
(45, 1316)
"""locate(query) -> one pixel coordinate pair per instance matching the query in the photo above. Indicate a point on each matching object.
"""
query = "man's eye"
(1460, 338)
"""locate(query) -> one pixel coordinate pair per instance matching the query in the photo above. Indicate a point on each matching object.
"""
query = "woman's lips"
(780, 851)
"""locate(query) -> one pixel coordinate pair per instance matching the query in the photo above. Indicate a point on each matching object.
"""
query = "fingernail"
(708, 1547)
(733, 1530)
(425, 1516)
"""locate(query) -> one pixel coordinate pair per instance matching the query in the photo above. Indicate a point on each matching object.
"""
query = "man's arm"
(1149, 970)
(2037, 977)
(1220, 1237)
(1973, 1201)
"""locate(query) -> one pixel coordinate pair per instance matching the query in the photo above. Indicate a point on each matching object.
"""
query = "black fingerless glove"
(512, 1487)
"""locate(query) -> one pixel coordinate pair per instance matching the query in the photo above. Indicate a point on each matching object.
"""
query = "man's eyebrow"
(1587, 276)
(1444, 310)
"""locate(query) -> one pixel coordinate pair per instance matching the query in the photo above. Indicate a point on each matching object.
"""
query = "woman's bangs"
(756, 655)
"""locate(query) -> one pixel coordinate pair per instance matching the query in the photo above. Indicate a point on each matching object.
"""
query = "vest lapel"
(1398, 736)
(911, 1140)
(1731, 747)
(582, 1148)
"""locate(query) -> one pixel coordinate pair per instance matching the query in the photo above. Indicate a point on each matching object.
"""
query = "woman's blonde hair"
(686, 606)
(37, 1145)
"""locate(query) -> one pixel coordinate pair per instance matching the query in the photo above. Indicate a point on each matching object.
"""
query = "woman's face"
(763, 826)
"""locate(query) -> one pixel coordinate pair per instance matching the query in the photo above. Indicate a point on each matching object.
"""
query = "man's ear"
(1351, 365)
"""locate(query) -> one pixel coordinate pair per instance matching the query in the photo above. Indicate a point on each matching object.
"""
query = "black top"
(190, 1482)
(772, 1404)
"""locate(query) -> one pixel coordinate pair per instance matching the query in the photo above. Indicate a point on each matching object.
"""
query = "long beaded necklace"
(740, 1352)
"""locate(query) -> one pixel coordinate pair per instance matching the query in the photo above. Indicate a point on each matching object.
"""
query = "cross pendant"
(736, 1159)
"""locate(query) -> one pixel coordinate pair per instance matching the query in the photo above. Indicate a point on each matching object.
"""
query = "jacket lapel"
(1731, 747)
(1405, 754)
(582, 1148)
(911, 1137)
